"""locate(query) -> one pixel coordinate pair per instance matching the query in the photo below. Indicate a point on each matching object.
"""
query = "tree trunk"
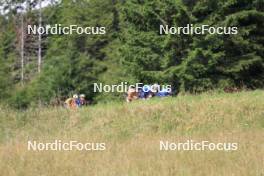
(22, 49)
(39, 38)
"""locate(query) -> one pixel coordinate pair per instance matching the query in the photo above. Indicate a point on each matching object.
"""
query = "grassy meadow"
(132, 133)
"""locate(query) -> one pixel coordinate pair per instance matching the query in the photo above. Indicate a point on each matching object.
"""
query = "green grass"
(132, 133)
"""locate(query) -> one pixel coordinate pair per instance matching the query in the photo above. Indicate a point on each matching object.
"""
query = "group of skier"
(147, 92)
(75, 101)
(133, 93)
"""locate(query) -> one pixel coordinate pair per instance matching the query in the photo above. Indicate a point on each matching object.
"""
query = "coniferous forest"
(47, 68)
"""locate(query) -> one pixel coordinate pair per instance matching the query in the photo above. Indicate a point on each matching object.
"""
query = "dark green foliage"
(198, 62)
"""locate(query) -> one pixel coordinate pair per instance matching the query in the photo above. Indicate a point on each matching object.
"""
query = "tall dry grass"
(132, 133)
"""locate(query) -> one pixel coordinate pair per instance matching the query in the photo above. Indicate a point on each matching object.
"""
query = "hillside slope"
(132, 134)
